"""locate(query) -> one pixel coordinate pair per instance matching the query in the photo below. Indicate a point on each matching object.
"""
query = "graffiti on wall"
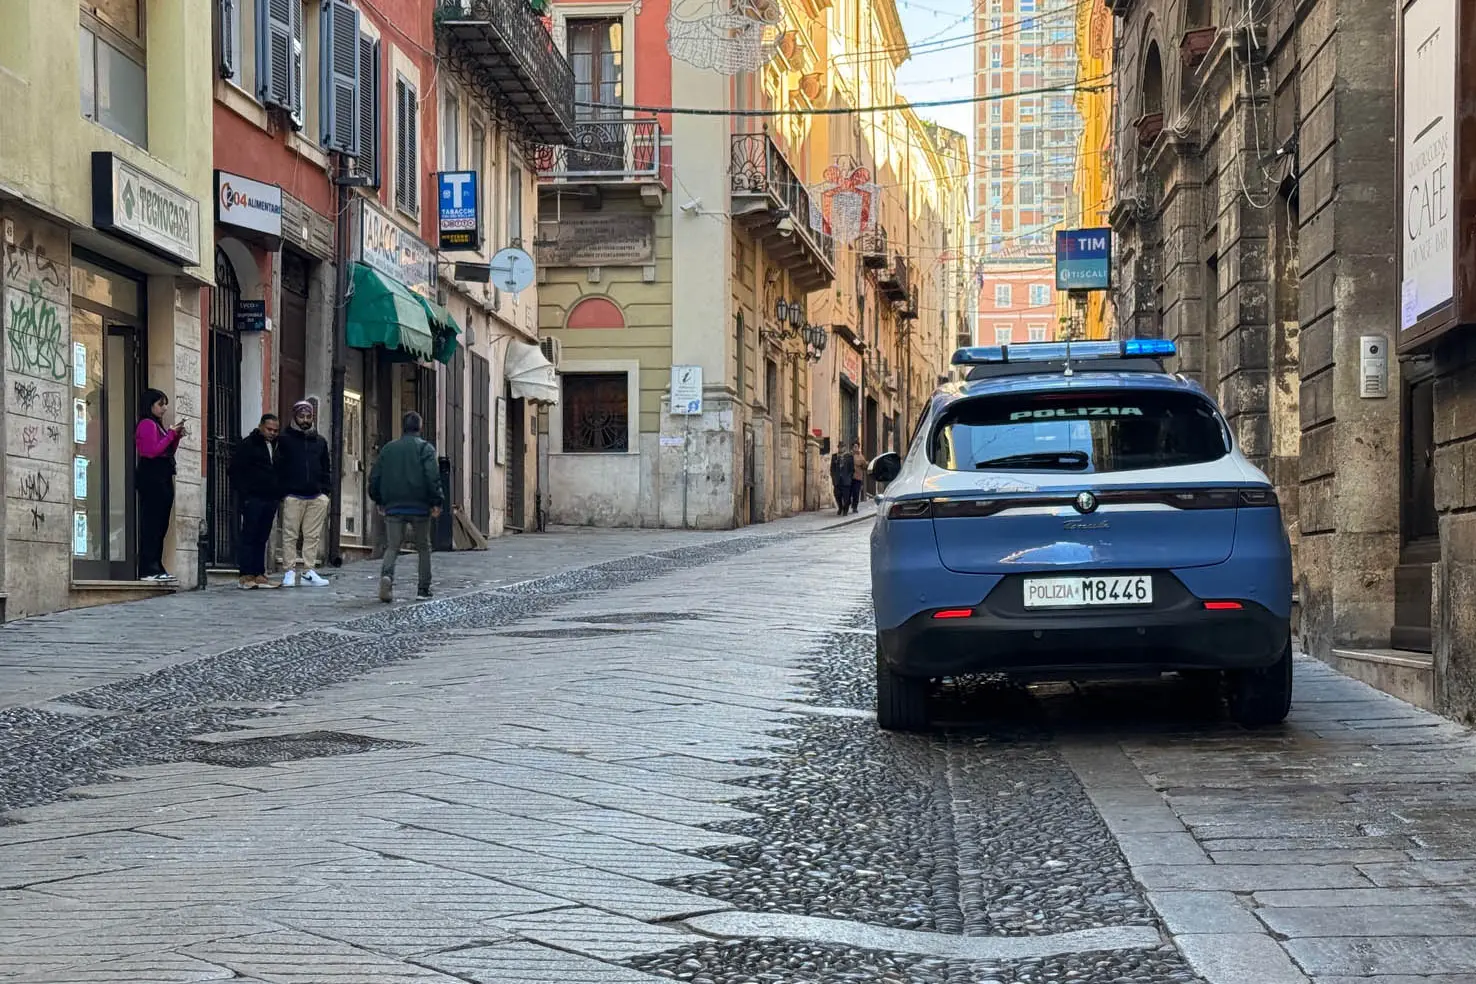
(35, 334)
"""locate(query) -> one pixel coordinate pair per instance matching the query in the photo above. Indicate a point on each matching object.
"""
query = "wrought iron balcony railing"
(616, 150)
(760, 168)
(505, 46)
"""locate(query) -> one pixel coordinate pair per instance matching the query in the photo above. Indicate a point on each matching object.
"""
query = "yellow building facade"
(1091, 191)
(106, 208)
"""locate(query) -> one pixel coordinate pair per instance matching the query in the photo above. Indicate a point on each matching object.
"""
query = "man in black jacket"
(405, 483)
(307, 479)
(841, 466)
(254, 473)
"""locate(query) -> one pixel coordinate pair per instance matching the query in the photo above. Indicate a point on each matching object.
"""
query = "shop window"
(596, 409)
(113, 68)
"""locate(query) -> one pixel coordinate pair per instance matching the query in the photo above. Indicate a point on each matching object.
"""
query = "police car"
(1071, 512)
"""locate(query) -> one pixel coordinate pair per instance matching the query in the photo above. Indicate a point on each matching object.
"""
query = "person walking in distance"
(154, 481)
(859, 465)
(840, 479)
(255, 473)
(405, 483)
(306, 480)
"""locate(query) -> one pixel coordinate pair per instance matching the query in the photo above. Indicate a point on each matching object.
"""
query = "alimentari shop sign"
(129, 202)
(387, 248)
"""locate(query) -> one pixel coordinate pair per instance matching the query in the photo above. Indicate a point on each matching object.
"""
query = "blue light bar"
(1132, 348)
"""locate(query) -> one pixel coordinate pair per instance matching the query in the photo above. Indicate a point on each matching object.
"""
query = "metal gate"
(517, 440)
(479, 470)
(223, 416)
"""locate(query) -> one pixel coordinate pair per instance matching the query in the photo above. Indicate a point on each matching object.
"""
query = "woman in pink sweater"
(154, 480)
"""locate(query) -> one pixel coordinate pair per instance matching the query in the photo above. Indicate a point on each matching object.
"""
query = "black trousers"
(855, 493)
(155, 504)
(256, 529)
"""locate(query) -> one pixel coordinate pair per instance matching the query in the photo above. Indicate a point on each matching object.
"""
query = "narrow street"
(658, 762)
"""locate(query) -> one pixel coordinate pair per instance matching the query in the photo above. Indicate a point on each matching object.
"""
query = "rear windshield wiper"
(1065, 460)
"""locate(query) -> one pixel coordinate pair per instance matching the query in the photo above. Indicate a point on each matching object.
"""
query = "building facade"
(1280, 216)
(105, 191)
(1027, 130)
(700, 244)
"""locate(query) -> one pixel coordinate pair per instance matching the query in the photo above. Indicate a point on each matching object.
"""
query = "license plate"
(1088, 592)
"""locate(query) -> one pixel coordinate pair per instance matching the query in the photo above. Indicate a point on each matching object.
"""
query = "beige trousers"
(305, 519)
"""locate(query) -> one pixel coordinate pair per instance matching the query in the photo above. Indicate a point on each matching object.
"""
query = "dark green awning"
(384, 313)
(444, 328)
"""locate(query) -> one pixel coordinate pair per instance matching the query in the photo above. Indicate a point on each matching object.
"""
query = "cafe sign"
(130, 203)
(387, 248)
(850, 366)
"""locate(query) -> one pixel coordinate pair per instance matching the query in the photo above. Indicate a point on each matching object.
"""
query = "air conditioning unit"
(553, 350)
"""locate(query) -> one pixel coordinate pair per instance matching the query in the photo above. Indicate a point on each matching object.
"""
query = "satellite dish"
(512, 270)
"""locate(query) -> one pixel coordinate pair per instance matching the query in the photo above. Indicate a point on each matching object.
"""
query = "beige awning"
(530, 375)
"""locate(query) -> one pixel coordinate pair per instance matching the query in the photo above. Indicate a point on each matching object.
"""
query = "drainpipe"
(341, 195)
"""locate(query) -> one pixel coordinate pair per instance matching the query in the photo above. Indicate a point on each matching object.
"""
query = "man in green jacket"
(405, 484)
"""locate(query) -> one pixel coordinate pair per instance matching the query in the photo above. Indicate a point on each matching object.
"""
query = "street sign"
(458, 214)
(1084, 259)
(251, 315)
(686, 390)
(512, 270)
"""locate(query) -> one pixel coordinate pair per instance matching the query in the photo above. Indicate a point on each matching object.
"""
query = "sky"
(945, 68)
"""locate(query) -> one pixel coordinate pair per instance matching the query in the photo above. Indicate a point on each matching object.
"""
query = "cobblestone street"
(633, 757)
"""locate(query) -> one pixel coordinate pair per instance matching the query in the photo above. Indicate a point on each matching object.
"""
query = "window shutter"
(340, 71)
(295, 9)
(274, 38)
(225, 38)
(412, 149)
(369, 112)
(401, 179)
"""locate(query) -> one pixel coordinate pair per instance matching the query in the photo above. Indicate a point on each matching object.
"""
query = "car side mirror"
(886, 467)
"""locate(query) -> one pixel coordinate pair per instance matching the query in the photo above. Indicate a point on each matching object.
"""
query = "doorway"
(453, 446)
(223, 419)
(108, 327)
(1420, 523)
(517, 440)
(479, 469)
(292, 334)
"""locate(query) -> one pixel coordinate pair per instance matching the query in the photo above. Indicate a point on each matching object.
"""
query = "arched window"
(1152, 81)
(596, 312)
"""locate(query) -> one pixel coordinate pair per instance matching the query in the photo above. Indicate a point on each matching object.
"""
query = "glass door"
(107, 311)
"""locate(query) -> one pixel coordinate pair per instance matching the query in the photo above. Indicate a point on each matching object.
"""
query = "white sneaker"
(315, 579)
(289, 580)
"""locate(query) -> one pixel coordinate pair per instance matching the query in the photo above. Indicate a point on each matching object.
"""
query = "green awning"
(444, 328)
(384, 313)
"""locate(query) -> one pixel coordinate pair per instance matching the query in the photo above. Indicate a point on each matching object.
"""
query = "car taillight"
(911, 509)
(1258, 497)
(1201, 498)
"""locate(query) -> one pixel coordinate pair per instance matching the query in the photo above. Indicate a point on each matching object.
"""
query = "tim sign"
(1084, 259)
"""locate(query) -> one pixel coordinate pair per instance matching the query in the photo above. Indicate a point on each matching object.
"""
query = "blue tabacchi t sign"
(1084, 259)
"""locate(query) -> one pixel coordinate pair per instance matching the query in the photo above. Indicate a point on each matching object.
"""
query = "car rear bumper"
(1074, 644)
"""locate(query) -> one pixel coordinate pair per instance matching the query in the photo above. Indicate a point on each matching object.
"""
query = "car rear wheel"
(901, 702)
(1262, 697)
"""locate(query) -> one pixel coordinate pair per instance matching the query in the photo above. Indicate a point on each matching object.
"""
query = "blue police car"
(1071, 513)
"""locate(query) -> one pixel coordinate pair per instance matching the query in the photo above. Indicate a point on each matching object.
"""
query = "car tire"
(1259, 698)
(901, 702)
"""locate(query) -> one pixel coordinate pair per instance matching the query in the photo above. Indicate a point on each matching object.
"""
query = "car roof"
(1055, 381)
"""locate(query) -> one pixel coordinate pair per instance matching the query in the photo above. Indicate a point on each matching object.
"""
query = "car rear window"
(1111, 431)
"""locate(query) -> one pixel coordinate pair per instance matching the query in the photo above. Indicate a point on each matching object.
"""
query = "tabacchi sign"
(1427, 143)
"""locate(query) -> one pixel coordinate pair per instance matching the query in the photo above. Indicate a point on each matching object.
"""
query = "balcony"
(873, 248)
(504, 46)
(615, 151)
(772, 205)
(893, 282)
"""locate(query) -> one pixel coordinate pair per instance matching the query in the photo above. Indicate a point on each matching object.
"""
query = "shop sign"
(458, 216)
(387, 248)
(248, 204)
(128, 202)
(850, 366)
(1084, 259)
(1427, 145)
(251, 315)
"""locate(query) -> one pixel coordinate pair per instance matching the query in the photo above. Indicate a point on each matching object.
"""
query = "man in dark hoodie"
(405, 483)
(255, 467)
(307, 480)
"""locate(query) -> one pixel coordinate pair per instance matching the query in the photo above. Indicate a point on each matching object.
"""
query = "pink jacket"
(153, 441)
